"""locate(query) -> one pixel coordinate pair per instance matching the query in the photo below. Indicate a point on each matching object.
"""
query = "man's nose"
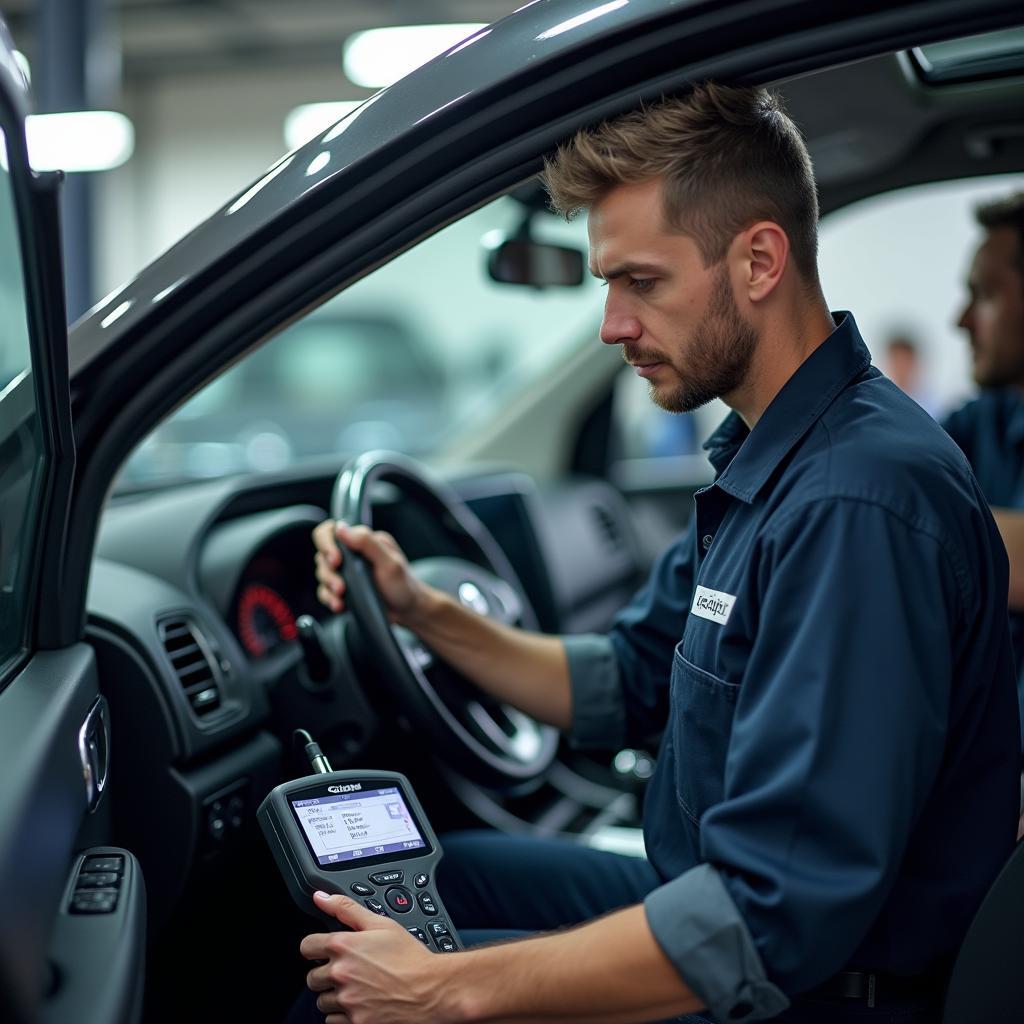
(966, 321)
(619, 326)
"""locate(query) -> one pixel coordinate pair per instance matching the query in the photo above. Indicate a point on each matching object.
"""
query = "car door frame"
(54, 738)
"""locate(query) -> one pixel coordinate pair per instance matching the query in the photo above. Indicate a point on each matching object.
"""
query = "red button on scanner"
(399, 899)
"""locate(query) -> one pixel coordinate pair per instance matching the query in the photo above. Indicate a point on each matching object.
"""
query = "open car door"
(72, 910)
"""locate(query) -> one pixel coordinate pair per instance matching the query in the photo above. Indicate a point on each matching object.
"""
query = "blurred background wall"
(200, 138)
(207, 85)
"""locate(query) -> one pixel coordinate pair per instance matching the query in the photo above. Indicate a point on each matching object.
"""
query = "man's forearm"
(527, 670)
(1011, 528)
(609, 971)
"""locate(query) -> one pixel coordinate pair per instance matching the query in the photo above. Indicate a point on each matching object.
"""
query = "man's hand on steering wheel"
(405, 597)
(449, 637)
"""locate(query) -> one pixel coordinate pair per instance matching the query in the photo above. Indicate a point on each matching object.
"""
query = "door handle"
(94, 750)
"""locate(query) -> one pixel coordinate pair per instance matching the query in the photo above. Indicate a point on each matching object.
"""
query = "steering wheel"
(486, 741)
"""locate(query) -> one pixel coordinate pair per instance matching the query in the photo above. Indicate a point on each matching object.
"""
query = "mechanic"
(825, 650)
(990, 429)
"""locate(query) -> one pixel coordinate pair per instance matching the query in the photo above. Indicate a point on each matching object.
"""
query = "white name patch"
(712, 604)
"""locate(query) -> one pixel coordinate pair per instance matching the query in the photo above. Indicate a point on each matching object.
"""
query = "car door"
(68, 948)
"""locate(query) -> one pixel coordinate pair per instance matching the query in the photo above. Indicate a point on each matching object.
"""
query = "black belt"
(870, 988)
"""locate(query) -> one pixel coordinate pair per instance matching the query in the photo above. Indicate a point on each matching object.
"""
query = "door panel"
(42, 805)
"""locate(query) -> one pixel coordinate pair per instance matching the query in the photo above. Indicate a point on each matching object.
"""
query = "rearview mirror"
(523, 261)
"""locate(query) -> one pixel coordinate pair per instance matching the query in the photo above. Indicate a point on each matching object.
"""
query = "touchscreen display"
(348, 826)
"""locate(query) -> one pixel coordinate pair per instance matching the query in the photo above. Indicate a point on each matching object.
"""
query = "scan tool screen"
(350, 826)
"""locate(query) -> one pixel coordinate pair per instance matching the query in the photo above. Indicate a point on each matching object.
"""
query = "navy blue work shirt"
(825, 652)
(990, 432)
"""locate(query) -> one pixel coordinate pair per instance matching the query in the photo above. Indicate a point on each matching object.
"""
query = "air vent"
(608, 528)
(189, 654)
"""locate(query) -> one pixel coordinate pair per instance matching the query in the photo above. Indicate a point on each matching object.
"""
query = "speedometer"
(264, 619)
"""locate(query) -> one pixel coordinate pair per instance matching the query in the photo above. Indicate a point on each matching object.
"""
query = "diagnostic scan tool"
(363, 834)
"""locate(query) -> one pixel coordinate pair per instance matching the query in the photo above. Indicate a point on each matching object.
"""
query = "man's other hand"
(377, 973)
(404, 596)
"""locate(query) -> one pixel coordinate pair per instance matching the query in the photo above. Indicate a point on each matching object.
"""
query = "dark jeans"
(496, 886)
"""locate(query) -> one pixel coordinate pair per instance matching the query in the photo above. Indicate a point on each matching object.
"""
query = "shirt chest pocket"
(702, 710)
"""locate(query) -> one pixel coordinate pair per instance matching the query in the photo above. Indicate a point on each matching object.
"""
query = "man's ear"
(765, 254)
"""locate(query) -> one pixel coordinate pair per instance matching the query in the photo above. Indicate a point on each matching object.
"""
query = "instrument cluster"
(277, 586)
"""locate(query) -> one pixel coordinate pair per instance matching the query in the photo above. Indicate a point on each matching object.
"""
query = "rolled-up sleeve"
(699, 929)
(598, 714)
(837, 738)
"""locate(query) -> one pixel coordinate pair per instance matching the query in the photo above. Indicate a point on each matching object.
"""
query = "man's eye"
(641, 284)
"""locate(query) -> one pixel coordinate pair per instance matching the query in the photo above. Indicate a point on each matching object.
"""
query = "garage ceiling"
(179, 37)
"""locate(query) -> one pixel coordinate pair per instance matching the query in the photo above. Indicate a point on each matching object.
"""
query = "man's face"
(994, 317)
(676, 320)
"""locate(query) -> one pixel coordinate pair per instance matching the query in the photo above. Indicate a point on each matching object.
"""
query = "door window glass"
(427, 347)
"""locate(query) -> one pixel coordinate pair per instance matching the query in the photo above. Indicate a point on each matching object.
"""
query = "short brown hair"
(729, 156)
(1005, 213)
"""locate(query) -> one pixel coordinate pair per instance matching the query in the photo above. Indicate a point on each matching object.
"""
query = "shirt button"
(706, 540)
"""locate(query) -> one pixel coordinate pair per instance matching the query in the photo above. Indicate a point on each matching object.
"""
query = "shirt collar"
(744, 459)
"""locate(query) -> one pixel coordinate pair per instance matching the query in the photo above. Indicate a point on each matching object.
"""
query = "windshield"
(427, 346)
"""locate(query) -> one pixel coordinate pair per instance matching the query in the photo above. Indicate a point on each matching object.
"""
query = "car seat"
(987, 981)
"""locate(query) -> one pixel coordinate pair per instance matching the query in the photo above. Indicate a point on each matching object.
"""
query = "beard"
(999, 366)
(716, 359)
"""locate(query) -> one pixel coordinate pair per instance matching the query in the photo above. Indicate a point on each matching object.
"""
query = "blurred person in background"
(904, 366)
(990, 428)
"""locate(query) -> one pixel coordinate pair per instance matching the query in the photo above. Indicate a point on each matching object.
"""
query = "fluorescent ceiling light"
(313, 119)
(84, 140)
(379, 57)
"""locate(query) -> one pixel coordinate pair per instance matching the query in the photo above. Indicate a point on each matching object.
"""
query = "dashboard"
(192, 607)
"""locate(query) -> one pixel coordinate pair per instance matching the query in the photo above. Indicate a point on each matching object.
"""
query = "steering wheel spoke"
(511, 732)
(474, 587)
